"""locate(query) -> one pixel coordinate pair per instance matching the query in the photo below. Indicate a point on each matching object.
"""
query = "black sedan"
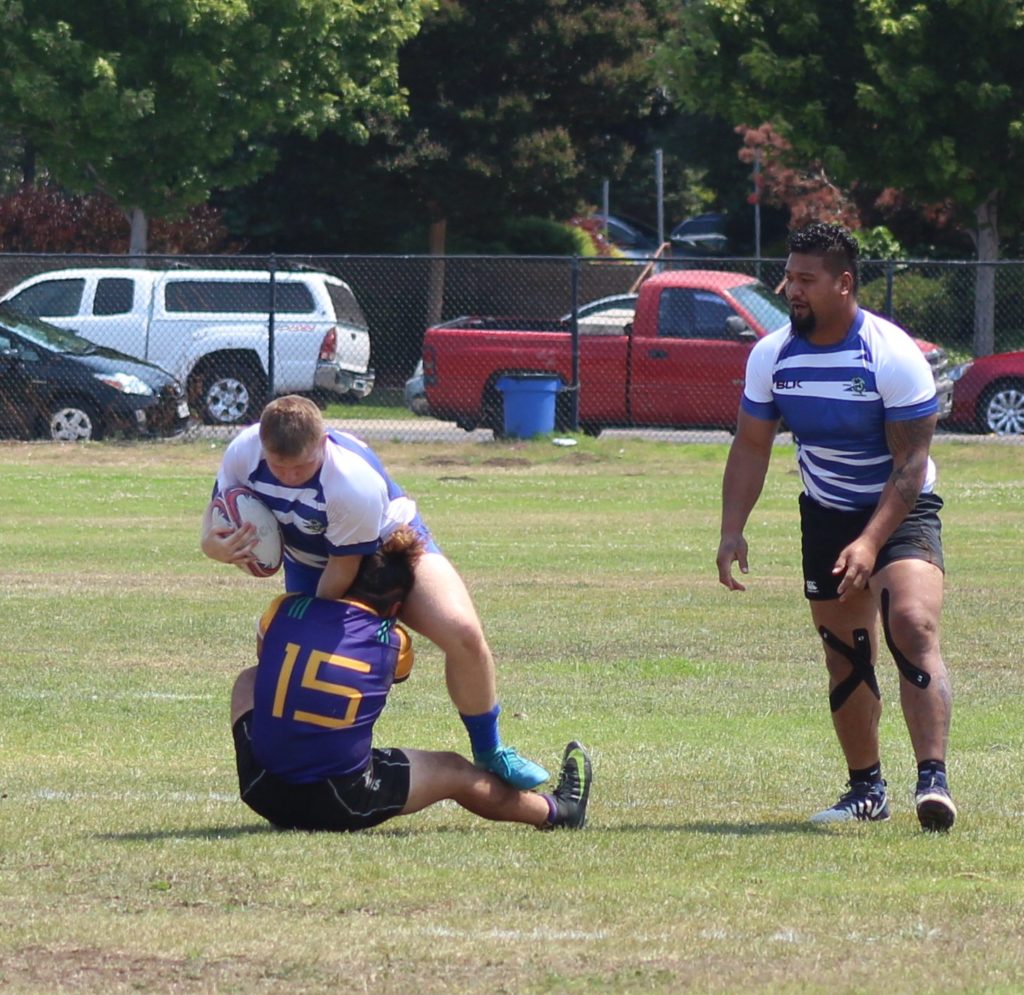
(56, 385)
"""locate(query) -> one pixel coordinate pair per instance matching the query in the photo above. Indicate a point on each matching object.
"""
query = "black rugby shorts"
(337, 804)
(825, 532)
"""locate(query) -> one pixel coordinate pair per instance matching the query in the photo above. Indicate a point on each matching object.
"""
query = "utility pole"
(659, 183)
(757, 211)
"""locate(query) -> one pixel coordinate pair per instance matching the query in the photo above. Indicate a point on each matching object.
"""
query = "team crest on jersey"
(856, 386)
(310, 526)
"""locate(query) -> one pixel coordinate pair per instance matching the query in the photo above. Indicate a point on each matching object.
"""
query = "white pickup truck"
(211, 329)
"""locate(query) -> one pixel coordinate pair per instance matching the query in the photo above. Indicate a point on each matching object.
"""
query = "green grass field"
(128, 864)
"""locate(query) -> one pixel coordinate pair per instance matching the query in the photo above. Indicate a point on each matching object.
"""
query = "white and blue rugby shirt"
(345, 509)
(836, 400)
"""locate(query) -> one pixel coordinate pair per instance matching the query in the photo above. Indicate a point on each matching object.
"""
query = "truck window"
(346, 307)
(771, 310)
(692, 314)
(50, 299)
(234, 297)
(114, 295)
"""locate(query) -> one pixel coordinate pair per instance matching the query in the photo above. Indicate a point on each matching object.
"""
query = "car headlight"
(958, 371)
(127, 383)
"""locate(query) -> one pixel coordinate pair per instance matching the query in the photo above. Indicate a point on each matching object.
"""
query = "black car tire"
(231, 396)
(73, 421)
(1001, 408)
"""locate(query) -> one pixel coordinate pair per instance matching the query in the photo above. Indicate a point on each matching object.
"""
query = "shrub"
(925, 306)
(46, 219)
(533, 236)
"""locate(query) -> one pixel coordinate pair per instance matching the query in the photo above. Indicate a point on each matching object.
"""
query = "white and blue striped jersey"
(345, 509)
(836, 400)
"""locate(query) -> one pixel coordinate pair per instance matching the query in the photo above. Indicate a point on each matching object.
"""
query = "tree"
(806, 192)
(489, 86)
(156, 102)
(537, 101)
(923, 97)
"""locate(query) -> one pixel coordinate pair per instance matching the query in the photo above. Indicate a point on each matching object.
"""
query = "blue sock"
(483, 731)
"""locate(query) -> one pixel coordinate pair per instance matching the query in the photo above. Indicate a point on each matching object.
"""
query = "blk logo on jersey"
(788, 384)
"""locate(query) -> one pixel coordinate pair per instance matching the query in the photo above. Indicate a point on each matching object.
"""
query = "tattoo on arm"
(909, 442)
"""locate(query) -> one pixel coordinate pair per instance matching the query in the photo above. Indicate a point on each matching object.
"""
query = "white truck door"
(114, 313)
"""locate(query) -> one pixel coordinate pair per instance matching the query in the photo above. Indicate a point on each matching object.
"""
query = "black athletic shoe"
(866, 801)
(935, 809)
(573, 789)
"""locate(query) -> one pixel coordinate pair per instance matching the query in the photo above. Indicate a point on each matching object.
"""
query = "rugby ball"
(238, 505)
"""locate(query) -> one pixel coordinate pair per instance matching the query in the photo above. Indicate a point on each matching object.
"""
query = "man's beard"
(802, 326)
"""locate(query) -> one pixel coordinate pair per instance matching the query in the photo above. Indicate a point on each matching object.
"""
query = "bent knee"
(914, 632)
(465, 637)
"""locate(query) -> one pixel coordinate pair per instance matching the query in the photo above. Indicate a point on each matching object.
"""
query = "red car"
(988, 394)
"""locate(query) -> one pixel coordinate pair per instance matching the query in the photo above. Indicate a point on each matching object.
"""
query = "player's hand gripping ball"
(238, 505)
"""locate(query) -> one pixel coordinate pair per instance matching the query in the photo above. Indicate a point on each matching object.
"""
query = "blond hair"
(291, 424)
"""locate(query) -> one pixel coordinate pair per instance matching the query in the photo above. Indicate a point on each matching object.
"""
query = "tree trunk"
(987, 244)
(28, 165)
(138, 245)
(436, 241)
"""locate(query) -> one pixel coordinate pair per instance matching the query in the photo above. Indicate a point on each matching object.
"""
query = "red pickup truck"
(677, 362)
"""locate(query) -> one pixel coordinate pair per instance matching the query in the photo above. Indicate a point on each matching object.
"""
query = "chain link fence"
(147, 349)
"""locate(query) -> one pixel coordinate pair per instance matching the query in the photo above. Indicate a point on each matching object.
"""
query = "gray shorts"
(825, 532)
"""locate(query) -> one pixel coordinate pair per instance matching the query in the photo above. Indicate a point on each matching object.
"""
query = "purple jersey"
(325, 670)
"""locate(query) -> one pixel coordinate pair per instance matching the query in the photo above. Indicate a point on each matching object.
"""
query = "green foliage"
(923, 305)
(878, 243)
(515, 110)
(583, 244)
(538, 237)
(536, 103)
(156, 104)
(880, 98)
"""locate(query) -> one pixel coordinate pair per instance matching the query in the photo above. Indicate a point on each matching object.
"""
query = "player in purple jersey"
(860, 400)
(303, 718)
(335, 503)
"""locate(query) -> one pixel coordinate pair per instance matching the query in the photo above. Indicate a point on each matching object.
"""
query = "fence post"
(574, 400)
(270, 327)
(890, 270)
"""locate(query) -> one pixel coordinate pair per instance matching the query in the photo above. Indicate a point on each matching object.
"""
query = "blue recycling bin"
(529, 403)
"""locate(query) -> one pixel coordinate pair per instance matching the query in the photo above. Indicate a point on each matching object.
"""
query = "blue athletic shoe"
(864, 802)
(935, 809)
(506, 763)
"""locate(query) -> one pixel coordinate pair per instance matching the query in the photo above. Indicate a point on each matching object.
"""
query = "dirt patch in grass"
(88, 969)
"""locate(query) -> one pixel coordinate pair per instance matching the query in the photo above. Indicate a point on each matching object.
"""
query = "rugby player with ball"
(335, 504)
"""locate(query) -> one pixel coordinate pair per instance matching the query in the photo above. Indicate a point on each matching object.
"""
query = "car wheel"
(1001, 409)
(77, 421)
(231, 398)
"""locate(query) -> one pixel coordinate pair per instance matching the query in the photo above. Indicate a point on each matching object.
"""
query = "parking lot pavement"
(432, 430)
